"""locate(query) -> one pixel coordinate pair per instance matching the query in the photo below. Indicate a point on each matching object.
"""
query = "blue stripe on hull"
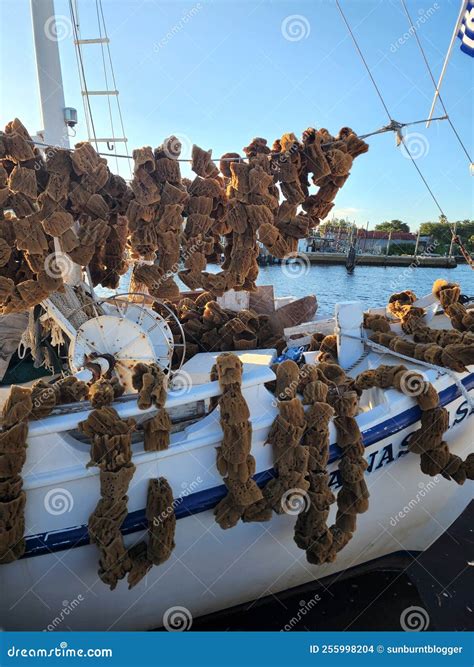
(201, 501)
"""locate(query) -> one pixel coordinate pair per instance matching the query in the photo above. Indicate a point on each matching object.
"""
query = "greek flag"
(466, 30)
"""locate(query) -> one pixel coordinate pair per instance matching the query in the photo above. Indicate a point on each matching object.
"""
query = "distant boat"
(351, 259)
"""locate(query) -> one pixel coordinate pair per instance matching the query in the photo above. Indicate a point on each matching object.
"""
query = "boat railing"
(67, 417)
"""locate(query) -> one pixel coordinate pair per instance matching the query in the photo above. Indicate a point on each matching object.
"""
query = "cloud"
(347, 212)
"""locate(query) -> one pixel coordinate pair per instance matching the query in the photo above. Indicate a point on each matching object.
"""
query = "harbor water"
(372, 285)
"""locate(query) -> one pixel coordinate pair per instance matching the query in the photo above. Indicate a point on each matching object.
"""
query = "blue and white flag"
(466, 30)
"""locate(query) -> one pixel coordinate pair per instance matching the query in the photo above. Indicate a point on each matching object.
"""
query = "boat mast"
(50, 81)
(48, 67)
(453, 236)
(417, 243)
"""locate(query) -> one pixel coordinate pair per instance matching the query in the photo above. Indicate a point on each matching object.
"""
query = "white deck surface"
(198, 368)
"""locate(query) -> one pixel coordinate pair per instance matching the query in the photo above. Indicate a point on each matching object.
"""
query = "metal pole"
(417, 244)
(46, 34)
(446, 60)
(452, 240)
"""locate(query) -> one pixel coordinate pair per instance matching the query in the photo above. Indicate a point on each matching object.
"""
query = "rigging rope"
(439, 369)
(384, 351)
(397, 126)
(82, 74)
(394, 126)
(112, 72)
(364, 60)
(434, 81)
(106, 81)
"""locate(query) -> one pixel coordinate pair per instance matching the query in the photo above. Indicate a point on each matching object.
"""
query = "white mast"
(417, 243)
(46, 36)
(446, 60)
(47, 32)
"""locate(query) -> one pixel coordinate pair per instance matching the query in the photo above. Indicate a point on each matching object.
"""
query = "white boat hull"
(56, 585)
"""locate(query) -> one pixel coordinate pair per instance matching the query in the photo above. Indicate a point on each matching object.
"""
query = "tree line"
(440, 231)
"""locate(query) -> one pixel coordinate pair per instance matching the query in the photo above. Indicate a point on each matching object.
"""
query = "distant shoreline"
(338, 258)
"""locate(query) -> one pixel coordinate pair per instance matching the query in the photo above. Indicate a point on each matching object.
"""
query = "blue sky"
(219, 73)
